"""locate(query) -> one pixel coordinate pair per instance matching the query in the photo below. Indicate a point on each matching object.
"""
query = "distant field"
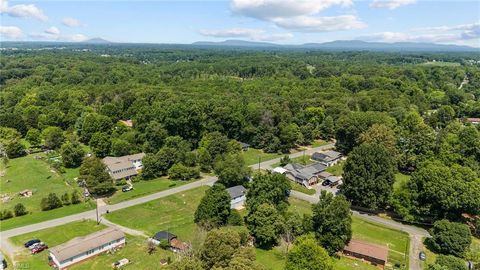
(36, 175)
(441, 64)
(52, 237)
(173, 213)
(252, 156)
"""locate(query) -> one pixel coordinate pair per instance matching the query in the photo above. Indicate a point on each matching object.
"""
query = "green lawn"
(36, 175)
(336, 169)
(304, 160)
(52, 237)
(301, 188)
(318, 143)
(143, 188)
(252, 155)
(173, 213)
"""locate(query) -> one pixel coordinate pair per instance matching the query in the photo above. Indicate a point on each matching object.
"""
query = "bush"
(235, 219)
(66, 199)
(6, 214)
(50, 202)
(121, 182)
(75, 197)
(450, 262)
(180, 171)
(20, 210)
(285, 160)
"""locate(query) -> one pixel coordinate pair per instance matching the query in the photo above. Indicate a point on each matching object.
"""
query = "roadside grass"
(400, 180)
(252, 155)
(173, 213)
(35, 174)
(52, 237)
(304, 160)
(146, 187)
(318, 143)
(336, 169)
(299, 206)
(301, 188)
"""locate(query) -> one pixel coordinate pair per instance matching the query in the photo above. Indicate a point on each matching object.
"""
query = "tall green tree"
(450, 238)
(214, 208)
(96, 177)
(232, 170)
(271, 188)
(100, 144)
(265, 224)
(307, 254)
(368, 176)
(53, 137)
(34, 137)
(72, 154)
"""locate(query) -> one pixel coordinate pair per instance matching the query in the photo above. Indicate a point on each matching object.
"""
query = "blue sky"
(279, 21)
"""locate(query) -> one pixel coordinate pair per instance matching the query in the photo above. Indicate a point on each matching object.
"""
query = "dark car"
(39, 249)
(127, 188)
(326, 183)
(31, 242)
(422, 256)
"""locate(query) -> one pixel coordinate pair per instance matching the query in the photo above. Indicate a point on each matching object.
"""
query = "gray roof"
(80, 245)
(244, 145)
(122, 167)
(164, 235)
(305, 172)
(326, 156)
(236, 191)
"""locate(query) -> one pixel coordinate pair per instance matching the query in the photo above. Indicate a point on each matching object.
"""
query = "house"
(245, 146)
(325, 175)
(128, 123)
(304, 175)
(334, 180)
(82, 248)
(237, 196)
(174, 243)
(375, 254)
(473, 121)
(279, 170)
(125, 166)
(327, 158)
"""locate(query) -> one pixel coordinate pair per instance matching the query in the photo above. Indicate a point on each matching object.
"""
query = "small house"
(237, 196)
(375, 254)
(82, 248)
(26, 193)
(124, 167)
(173, 242)
(304, 175)
(327, 158)
(245, 146)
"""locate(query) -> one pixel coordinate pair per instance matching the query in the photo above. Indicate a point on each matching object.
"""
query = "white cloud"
(77, 38)
(249, 33)
(391, 4)
(298, 15)
(11, 32)
(22, 11)
(457, 34)
(53, 31)
(320, 24)
(71, 22)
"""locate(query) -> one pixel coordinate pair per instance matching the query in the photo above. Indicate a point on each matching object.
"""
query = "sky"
(277, 21)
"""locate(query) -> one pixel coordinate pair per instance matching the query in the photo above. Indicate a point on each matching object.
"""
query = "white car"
(120, 263)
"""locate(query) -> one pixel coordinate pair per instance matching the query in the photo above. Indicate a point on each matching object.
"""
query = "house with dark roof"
(82, 248)
(375, 254)
(327, 158)
(237, 196)
(124, 167)
(174, 243)
(304, 175)
(245, 146)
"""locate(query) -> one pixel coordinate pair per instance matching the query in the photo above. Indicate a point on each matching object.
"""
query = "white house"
(237, 196)
(124, 166)
(82, 248)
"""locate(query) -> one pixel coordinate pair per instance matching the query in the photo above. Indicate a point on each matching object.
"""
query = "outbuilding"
(375, 254)
(237, 196)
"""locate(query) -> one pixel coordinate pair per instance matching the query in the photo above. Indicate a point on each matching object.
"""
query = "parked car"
(422, 256)
(127, 188)
(326, 183)
(31, 242)
(120, 263)
(36, 245)
(39, 249)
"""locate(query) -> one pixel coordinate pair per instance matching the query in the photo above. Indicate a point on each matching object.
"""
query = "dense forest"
(185, 100)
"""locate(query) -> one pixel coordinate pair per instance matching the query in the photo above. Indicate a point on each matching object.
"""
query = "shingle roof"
(83, 244)
(370, 250)
(236, 191)
(122, 167)
(326, 155)
(305, 172)
(164, 235)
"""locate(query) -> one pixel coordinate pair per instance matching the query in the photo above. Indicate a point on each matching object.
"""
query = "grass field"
(143, 188)
(52, 237)
(300, 160)
(336, 169)
(173, 213)
(252, 155)
(301, 188)
(36, 175)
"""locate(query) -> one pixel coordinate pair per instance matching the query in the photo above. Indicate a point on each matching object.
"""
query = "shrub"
(6, 214)
(50, 202)
(121, 182)
(180, 171)
(20, 209)
(75, 197)
(450, 238)
(66, 198)
(235, 219)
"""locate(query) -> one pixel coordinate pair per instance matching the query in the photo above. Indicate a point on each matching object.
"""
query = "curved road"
(416, 234)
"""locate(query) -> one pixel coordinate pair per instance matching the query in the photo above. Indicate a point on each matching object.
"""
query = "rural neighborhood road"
(416, 234)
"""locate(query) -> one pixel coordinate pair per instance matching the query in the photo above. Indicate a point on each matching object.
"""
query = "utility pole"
(304, 162)
(96, 208)
(259, 159)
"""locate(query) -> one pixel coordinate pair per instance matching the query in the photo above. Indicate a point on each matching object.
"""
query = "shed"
(374, 254)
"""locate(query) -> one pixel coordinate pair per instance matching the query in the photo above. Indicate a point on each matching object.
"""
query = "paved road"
(10, 249)
(416, 234)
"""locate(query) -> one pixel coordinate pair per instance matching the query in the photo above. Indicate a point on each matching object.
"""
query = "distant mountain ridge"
(344, 45)
(97, 40)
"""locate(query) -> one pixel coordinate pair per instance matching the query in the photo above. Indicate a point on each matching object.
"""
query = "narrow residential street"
(416, 234)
